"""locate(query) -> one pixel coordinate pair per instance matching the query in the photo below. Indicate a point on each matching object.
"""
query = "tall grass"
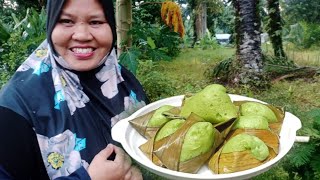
(302, 57)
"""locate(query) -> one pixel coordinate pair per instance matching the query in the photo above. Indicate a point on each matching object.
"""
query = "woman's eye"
(66, 21)
(96, 22)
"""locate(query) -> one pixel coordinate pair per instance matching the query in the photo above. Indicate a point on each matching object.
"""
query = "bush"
(304, 35)
(305, 159)
(207, 42)
(311, 35)
(16, 50)
(24, 39)
(155, 83)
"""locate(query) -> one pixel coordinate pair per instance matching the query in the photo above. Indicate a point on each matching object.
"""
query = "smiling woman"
(82, 35)
(58, 109)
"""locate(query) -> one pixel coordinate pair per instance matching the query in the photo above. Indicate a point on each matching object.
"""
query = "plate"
(130, 139)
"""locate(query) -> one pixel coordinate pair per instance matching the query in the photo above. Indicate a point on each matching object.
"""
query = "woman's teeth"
(82, 50)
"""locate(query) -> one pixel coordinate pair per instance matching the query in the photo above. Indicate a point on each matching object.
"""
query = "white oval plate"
(130, 139)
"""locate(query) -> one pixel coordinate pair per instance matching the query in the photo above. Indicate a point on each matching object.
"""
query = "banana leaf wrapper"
(222, 163)
(279, 112)
(140, 123)
(147, 149)
(270, 138)
(168, 150)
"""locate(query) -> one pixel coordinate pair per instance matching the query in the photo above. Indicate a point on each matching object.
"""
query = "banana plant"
(33, 25)
(4, 33)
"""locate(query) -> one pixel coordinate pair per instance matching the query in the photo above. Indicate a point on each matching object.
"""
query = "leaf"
(315, 115)
(4, 34)
(302, 154)
(151, 43)
(129, 59)
(315, 163)
(22, 22)
(312, 132)
(157, 55)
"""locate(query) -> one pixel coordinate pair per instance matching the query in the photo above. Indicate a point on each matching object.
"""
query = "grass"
(297, 96)
(188, 70)
(310, 57)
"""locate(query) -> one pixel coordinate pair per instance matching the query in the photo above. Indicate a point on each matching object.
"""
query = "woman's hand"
(118, 169)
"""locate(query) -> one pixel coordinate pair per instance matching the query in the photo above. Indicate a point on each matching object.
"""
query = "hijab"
(71, 112)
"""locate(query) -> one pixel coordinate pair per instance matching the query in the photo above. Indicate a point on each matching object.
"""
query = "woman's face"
(82, 35)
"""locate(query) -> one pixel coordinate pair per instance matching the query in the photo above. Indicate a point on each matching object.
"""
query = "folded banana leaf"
(221, 163)
(148, 124)
(278, 111)
(237, 159)
(161, 135)
(181, 153)
(270, 138)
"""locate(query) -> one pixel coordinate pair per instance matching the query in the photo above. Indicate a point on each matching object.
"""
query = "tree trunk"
(248, 63)
(124, 24)
(200, 20)
(275, 28)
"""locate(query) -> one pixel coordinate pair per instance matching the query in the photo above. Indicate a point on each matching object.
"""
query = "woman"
(58, 109)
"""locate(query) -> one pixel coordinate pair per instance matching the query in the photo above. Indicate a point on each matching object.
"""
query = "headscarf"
(71, 112)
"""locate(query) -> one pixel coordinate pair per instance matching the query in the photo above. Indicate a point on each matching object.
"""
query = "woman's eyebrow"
(66, 14)
(93, 15)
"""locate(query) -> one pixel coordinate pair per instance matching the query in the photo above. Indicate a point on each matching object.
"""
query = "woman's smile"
(83, 53)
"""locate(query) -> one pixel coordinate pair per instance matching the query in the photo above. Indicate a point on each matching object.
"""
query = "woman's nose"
(82, 32)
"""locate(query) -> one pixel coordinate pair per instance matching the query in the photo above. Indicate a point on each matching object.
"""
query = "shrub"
(305, 159)
(24, 39)
(155, 83)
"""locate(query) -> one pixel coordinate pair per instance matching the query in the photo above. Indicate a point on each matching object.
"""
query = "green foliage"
(24, 39)
(129, 59)
(302, 10)
(33, 24)
(221, 72)
(155, 83)
(154, 40)
(304, 35)
(225, 21)
(295, 34)
(188, 38)
(147, 12)
(311, 35)
(155, 43)
(16, 50)
(4, 34)
(305, 159)
(277, 66)
(6, 9)
(207, 42)
(275, 173)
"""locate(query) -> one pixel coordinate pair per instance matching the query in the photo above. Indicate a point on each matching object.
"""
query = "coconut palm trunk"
(248, 63)
(275, 28)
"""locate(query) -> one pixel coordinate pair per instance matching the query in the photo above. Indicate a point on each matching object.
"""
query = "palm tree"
(274, 28)
(248, 66)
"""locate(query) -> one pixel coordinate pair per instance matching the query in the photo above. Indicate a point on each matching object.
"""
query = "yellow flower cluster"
(171, 15)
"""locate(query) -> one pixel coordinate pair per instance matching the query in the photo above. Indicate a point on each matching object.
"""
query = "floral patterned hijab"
(71, 112)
